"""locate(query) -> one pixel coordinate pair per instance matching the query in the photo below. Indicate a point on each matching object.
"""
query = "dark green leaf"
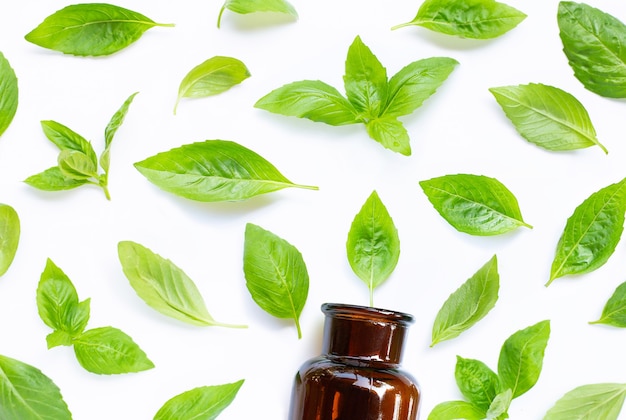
(91, 29)
(468, 304)
(590, 402)
(474, 204)
(479, 19)
(109, 351)
(252, 6)
(276, 275)
(8, 94)
(52, 179)
(547, 116)
(614, 312)
(9, 236)
(477, 382)
(214, 170)
(591, 233)
(595, 45)
(455, 410)
(390, 132)
(27, 394)
(203, 403)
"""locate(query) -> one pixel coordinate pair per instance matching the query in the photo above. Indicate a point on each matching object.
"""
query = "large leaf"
(202, 403)
(214, 170)
(591, 233)
(614, 312)
(8, 94)
(91, 29)
(9, 236)
(590, 402)
(547, 116)
(595, 45)
(244, 7)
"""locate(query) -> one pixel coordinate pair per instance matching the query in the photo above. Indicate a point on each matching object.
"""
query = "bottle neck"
(364, 336)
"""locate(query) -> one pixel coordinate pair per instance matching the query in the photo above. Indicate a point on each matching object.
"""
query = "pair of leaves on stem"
(478, 19)
(77, 163)
(104, 350)
(8, 94)
(244, 7)
(91, 29)
(371, 98)
(489, 394)
(9, 236)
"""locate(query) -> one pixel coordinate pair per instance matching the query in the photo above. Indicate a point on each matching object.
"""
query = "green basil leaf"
(205, 403)
(478, 19)
(547, 116)
(214, 170)
(214, 76)
(9, 236)
(373, 245)
(311, 99)
(76, 165)
(594, 43)
(454, 410)
(52, 179)
(59, 307)
(589, 402)
(477, 382)
(365, 80)
(416, 82)
(468, 304)
(163, 286)
(109, 351)
(109, 132)
(276, 275)
(474, 204)
(614, 312)
(252, 6)
(591, 233)
(90, 29)
(500, 405)
(27, 394)
(521, 358)
(8, 94)
(390, 132)
(67, 139)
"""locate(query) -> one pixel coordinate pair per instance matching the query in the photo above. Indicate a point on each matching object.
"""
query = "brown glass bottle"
(358, 375)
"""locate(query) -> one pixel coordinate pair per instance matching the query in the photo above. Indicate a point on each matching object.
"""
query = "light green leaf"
(479, 19)
(253, 6)
(9, 94)
(163, 286)
(9, 236)
(52, 179)
(591, 233)
(474, 204)
(109, 351)
(477, 382)
(590, 402)
(67, 139)
(455, 410)
(214, 170)
(203, 403)
(114, 124)
(390, 132)
(547, 116)
(467, 305)
(310, 99)
(276, 275)
(521, 358)
(373, 245)
(76, 165)
(595, 45)
(500, 406)
(214, 76)
(27, 394)
(90, 29)
(614, 312)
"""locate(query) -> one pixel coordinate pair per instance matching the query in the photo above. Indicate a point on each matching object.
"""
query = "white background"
(461, 129)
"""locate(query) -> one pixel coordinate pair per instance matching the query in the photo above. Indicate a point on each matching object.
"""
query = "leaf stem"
(297, 321)
(402, 25)
(306, 187)
(219, 17)
(222, 324)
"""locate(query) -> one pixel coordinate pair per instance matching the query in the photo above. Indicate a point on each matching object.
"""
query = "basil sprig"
(8, 94)
(371, 98)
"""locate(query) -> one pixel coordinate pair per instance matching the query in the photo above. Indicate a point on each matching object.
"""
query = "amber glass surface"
(358, 375)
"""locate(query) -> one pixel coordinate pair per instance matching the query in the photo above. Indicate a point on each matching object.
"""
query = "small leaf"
(500, 406)
(521, 358)
(214, 76)
(109, 351)
(76, 165)
(8, 94)
(477, 382)
(114, 124)
(252, 6)
(454, 410)
(27, 394)
(276, 275)
(163, 286)
(67, 139)
(91, 29)
(468, 304)
(479, 19)
(614, 312)
(474, 204)
(390, 132)
(591, 233)
(595, 45)
(547, 116)
(205, 402)
(590, 402)
(373, 245)
(214, 170)
(365, 80)
(52, 179)
(9, 236)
